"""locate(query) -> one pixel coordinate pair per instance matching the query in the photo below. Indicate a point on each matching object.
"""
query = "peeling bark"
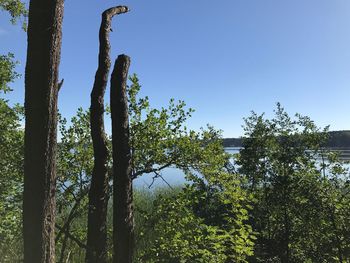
(41, 91)
(98, 194)
(123, 225)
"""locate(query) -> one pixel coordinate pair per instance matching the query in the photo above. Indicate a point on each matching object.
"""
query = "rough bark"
(123, 225)
(41, 91)
(98, 194)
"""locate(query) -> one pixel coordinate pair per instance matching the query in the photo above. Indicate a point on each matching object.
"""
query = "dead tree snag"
(123, 226)
(98, 194)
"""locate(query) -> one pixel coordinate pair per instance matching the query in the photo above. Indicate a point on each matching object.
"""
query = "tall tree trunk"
(41, 91)
(98, 194)
(123, 225)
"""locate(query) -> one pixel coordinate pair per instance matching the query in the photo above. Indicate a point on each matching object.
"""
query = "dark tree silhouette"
(123, 226)
(98, 194)
(41, 91)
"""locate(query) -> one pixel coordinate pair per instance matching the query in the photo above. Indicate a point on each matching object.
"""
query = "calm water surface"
(175, 176)
(172, 176)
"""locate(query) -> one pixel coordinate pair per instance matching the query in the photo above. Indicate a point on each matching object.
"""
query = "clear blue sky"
(224, 58)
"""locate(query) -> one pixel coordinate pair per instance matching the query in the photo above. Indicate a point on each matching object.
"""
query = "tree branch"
(59, 85)
(158, 175)
(75, 239)
(72, 214)
(152, 170)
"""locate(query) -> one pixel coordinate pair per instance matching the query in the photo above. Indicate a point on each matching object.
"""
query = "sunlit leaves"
(7, 71)
(16, 9)
(11, 179)
(299, 189)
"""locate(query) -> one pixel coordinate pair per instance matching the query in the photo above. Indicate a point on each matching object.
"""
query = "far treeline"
(335, 139)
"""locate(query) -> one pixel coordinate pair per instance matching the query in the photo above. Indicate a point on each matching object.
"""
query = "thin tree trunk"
(73, 238)
(98, 194)
(123, 225)
(74, 213)
(66, 227)
(41, 91)
(64, 246)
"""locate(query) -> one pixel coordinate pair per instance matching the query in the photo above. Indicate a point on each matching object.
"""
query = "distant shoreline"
(338, 140)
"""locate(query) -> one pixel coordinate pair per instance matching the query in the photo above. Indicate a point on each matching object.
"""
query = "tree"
(206, 221)
(98, 193)
(7, 72)
(158, 139)
(293, 189)
(11, 181)
(75, 164)
(11, 167)
(11, 153)
(123, 219)
(16, 9)
(41, 91)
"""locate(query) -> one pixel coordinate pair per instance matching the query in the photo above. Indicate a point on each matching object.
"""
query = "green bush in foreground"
(202, 222)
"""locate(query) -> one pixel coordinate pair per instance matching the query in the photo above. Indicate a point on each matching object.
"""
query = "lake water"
(175, 176)
(171, 175)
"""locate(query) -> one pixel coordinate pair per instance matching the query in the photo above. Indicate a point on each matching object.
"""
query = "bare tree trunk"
(123, 221)
(98, 194)
(41, 91)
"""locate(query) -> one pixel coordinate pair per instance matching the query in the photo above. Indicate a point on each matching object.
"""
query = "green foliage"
(75, 156)
(144, 203)
(206, 220)
(16, 9)
(7, 71)
(296, 193)
(11, 167)
(159, 139)
(156, 136)
(289, 201)
(74, 168)
(183, 229)
(11, 181)
(11, 160)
